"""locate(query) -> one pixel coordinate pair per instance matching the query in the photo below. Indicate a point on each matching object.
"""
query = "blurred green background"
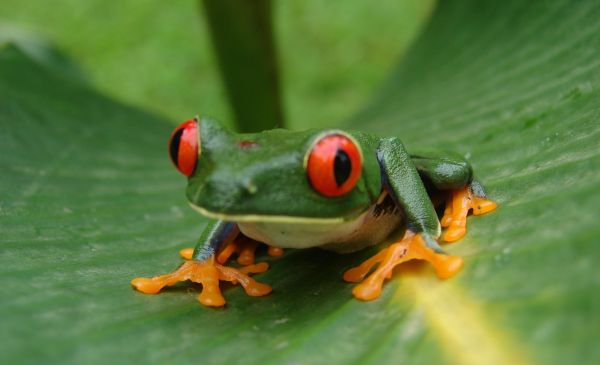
(158, 55)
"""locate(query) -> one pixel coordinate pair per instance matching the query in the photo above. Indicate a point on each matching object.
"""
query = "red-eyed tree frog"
(334, 189)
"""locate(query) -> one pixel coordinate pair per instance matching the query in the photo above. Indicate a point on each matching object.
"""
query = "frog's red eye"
(183, 147)
(334, 165)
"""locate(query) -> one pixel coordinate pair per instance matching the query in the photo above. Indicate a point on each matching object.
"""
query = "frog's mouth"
(269, 218)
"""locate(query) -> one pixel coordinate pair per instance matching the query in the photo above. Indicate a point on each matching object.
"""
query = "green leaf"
(89, 201)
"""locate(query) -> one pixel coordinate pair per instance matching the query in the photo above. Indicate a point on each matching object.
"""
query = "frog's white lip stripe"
(266, 218)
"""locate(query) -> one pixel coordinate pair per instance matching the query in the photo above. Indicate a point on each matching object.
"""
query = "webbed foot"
(409, 248)
(458, 205)
(208, 273)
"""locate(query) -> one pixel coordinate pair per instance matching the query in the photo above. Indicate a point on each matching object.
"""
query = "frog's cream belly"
(368, 229)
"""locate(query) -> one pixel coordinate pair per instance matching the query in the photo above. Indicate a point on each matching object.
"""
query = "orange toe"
(275, 251)
(146, 286)
(447, 266)
(186, 253)
(455, 233)
(483, 206)
(211, 298)
(367, 291)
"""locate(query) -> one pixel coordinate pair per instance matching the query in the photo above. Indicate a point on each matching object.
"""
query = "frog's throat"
(268, 218)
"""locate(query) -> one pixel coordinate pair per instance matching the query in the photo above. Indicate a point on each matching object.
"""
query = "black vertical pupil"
(341, 167)
(174, 147)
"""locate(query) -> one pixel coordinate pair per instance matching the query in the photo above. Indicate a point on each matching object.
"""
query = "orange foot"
(410, 247)
(245, 248)
(458, 205)
(245, 253)
(208, 273)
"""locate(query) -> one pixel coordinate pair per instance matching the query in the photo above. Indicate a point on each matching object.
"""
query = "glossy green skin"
(263, 174)
(269, 178)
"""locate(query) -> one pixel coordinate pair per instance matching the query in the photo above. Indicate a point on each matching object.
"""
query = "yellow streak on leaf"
(460, 324)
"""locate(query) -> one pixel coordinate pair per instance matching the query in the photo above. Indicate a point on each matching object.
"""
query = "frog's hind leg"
(208, 273)
(245, 248)
(458, 205)
(451, 175)
(411, 247)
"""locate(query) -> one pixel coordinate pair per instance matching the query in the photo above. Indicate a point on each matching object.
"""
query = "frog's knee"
(456, 174)
(445, 170)
(450, 175)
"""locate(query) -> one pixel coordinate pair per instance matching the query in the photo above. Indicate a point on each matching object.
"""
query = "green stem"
(242, 36)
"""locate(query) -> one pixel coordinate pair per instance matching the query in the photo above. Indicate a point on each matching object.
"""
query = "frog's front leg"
(402, 181)
(204, 269)
(411, 247)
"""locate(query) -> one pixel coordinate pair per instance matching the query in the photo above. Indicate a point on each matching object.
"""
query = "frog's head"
(277, 175)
